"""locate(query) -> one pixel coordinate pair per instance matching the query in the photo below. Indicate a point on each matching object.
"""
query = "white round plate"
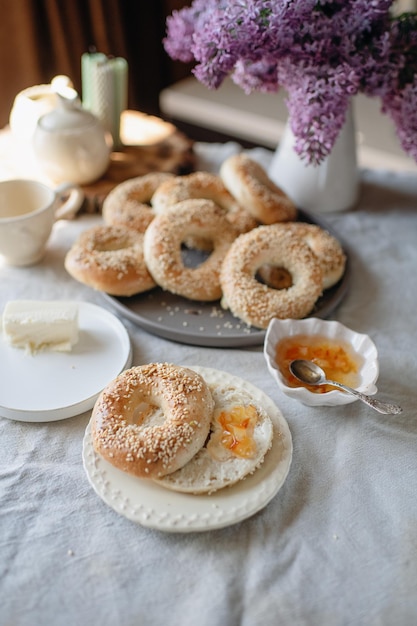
(151, 505)
(49, 386)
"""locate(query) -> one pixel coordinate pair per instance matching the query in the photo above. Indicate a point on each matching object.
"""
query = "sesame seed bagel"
(206, 186)
(256, 303)
(327, 249)
(249, 183)
(152, 419)
(162, 248)
(110, 259)
(240, 436)
(128, 204)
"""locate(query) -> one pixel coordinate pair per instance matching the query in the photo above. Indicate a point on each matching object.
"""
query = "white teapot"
(70, 143)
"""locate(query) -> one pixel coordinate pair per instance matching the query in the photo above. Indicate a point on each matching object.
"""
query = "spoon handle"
(382, 407)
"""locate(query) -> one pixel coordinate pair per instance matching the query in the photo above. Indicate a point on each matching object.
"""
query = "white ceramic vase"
(329, 187)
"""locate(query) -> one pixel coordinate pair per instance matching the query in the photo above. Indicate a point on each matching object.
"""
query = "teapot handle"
(70, 198)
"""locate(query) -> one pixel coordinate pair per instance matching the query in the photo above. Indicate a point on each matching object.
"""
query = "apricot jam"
(236, 432)
(336, 358)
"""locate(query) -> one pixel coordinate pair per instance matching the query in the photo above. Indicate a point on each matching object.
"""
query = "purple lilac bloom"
(402, 110)
(321, 52)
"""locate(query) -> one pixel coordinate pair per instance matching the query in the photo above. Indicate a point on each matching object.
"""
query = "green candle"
(104, 89)
(88, 62)
(120, 72)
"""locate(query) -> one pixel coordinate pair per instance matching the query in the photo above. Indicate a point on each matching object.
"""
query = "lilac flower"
(321, 52)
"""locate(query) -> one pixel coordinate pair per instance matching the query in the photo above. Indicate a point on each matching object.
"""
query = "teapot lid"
(69, 114)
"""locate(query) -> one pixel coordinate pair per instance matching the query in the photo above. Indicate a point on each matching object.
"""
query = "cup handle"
(70, 197)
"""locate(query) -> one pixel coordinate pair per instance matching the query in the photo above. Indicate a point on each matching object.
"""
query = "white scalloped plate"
(153, 506)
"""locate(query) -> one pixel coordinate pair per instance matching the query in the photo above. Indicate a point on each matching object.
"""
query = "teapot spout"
(62, 86)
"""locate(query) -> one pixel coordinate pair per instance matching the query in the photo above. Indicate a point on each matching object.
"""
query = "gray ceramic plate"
(206, 323)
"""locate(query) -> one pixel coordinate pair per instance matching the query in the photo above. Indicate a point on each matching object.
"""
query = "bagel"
(110, 259)
(152, 419)
(207, 186)
(241, 434)
(249, 183)
(162, 248)
(327, 249)
(128, 204)
(256, 303)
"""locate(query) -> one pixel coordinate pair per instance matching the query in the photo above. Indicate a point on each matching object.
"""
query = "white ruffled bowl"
(361, 344)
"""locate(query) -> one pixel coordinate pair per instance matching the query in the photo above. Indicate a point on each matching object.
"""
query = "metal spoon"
(310, 373)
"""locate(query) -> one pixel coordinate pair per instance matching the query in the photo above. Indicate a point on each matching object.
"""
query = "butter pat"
(40, 325)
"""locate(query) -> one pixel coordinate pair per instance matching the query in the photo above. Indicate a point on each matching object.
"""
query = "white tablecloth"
(336, 546)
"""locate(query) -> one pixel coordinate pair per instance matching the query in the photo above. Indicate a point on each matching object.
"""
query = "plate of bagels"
(209, 259)
(208, 449)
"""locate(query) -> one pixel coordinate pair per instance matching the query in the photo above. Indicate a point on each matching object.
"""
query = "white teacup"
(28, 210)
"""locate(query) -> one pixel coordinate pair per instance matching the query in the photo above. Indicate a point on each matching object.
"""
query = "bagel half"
(215, 465)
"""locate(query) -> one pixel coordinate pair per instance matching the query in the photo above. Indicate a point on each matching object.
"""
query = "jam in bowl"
(345, 355)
